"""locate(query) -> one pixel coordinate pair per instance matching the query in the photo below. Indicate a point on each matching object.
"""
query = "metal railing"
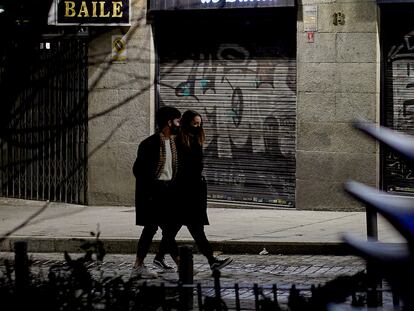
(73, 285)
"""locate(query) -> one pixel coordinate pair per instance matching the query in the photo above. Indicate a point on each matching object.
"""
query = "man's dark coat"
(150, 206)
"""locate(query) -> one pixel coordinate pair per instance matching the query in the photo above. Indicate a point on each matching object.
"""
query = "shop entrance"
(238, 69)
(397, 37)
(43, 141)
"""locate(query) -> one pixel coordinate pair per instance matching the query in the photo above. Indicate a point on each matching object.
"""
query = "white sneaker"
(142, 272)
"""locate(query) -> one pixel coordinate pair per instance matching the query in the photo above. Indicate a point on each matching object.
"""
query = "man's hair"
(165, 114)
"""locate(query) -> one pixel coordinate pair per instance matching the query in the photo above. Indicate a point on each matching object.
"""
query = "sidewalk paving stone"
(63, 226)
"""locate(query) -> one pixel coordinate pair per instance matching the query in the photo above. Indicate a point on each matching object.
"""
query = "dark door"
(397, 38)
(43, 139)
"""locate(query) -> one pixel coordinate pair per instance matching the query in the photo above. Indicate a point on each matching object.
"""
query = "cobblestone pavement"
(245, 270)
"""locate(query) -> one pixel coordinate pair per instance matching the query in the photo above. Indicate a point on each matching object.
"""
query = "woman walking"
(192, 187)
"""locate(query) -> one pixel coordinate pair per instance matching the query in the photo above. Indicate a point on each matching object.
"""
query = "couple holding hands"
(171, 191)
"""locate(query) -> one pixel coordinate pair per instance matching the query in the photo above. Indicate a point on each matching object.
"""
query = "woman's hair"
(185, 136)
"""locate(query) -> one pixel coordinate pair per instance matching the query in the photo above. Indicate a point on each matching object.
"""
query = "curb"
(124, 246)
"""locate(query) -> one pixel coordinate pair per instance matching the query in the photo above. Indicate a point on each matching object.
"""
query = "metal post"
(256, 296)
(237, 294)
(200, 297)
(275, 300)
(186, 275)
(374, 297)
(372, 224)
(21, 265)
(217, 289)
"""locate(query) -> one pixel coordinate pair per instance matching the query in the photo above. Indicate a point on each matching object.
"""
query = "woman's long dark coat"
(151, 207)
(192, 187)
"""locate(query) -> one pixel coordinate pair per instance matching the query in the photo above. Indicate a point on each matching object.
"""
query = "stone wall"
(337, 82)
(119, 110)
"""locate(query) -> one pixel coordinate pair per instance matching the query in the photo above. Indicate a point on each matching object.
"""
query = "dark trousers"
(199, 236)
(203, 245)
(164, 190)
(167, 244)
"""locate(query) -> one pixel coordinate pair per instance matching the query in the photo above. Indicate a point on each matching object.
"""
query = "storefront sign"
(161, 5)
(89, 12)
(310, 18)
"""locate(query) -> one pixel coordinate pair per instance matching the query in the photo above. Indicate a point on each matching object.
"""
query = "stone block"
(355, 78)
(106, 155)
(336, 167)
(103, 101)
(104, 128)
(134, 104)
(139, 7)
(356, 47)
(322, 50)
(118, 103)
(113, 246)
(360, 16)
(133, 74)
(45, 245)
(332, 137)
(316, 77)
(127, 155)
(6, 245)
(304, 2)
(313, 107)
(103, 198)
(126, 184)
(127, 198)
(350, 106)
(103, 179)
(131, 129)
(320, 195)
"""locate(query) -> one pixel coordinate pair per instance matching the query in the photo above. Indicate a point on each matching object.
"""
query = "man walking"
(155, 169)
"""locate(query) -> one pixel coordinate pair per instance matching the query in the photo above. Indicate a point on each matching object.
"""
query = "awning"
(394, 1)
(168, 5)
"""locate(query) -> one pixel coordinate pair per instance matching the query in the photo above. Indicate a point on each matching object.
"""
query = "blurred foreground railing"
(392, 262)
(71, 285)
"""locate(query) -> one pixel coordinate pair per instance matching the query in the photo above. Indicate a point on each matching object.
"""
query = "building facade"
(277, 101)
(278, 83)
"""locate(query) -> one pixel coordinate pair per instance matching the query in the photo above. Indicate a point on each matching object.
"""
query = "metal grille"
(44, 136)
(398, 175)
(398, 42)
(245, 89)
(249, 118)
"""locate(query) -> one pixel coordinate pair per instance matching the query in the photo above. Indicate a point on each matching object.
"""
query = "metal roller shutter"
(398, 175)
(246, 93)
(398, 99)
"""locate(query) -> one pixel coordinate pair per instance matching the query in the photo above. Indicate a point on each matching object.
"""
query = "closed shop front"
(237, 68)
(397, 39)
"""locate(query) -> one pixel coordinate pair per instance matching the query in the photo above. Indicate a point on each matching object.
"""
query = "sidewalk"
(65, 227)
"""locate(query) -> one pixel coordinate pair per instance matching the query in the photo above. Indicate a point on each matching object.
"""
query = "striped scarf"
(163, 152)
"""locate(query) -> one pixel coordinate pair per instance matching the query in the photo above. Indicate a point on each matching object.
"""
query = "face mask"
(174, 130)
(195, 130)
(174, 126)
